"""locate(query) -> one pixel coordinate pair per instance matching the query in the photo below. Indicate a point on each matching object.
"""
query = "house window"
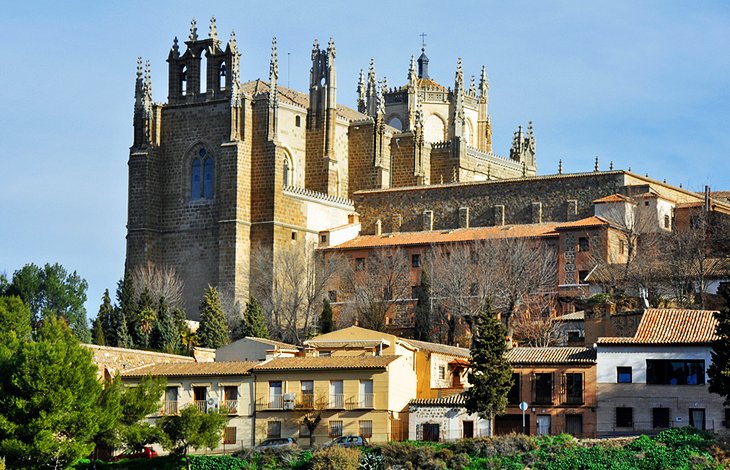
(667, 221)
(273, 429)
(624, 417)
(332, 295)
(431, 432)
(667, 372)
(574, 336)
(195, 179)
(298, 121)
(323, 239)
(337, 395)
(366, 394)
(416, 261)
(229, 436)
(335, 429)
(582, 276)
(660, 417)
(623, 375)
(293, 234)
(697, 418)
(275, 398)
(366, 429)
(544, 389)
(583, 244)
(230, 395)
(574, 389)
(574, 425)
(208, 178)
(359, 264)
(307, 399)
(442, 372)
(621, 247)
(201, 176)
(171, 401)
(513, 396)
(200, 396)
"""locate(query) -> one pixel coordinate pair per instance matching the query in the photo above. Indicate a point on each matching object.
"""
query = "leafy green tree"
(253, 323)
(15, 317)
(326, 320)
(97, 333)
(192, 428)
(213, 329)
(52, 291)
(50, 400)
(105, 318)
(490, 375)
(143, 320)
(166, 335)
(719, 370)
(422, 320)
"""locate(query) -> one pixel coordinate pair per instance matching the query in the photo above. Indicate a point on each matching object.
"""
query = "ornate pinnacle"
(213, 33)
(232, 41)
(175, 48)
(483, 82)
(380, 100)
(139, 69)
(595, 165)
(371, 72)
(385, 85)
(610, 166)
(147, 77)
(560, 167)
(412, 73)
(331, 51)
(524, 169)
(459, 71)
(315, 49)
(193, 30)
(361, 82)
(274, 65)
(472, 86)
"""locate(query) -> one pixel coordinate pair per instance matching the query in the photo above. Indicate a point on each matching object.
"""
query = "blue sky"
(644, 84)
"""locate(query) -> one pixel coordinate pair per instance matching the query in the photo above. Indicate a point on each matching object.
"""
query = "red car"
(147, 453)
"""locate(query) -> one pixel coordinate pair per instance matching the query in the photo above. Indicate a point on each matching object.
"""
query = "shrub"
(216, 462)
(2, 463)
(372, 460)
(686, 436)
(598, 299)
(335, 458)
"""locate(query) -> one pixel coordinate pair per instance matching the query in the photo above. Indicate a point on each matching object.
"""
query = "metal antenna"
(288, 56)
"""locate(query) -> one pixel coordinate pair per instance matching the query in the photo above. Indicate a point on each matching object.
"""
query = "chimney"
(463, 217)
(427, 220)
(536, 212)
(499, 214)
(378, 227)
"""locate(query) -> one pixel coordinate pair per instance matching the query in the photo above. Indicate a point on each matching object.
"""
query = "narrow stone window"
(298, 121)
(195, 180)
(183, 80)
(208, 178)
(222, 70)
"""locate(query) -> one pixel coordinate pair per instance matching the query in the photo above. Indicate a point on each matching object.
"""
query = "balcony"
(305, 401)
(230, 406)
(337, 401)
(366, 401)
(169, 407)
(201, 405)
(276, 402)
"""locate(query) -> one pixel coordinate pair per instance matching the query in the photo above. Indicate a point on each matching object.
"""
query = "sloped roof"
(551, 355)
(297, 98)
(592, 221)
(451, 236)
(439, 348)
(430, 84)
(458, 399)
(671, 326)
(579, 315)
(190, 369)
(272, 342)
(326, 363)
(612, 198)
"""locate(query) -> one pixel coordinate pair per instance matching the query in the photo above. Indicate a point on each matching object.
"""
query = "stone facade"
(224, 166)
(110, 360)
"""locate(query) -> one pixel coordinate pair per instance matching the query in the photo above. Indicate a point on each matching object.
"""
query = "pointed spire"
(595, 165)
(610, 165)
(232, 41)
(213, 32)
(139, 69)
(175, 51)
(473, 86)
(459, 72)
(315, 49)
(423, 63)
(412, 73)
(380, 100)
(331, 51)
(371, 73)
(193, 30)
(147, 78)
(483, 82)
(362, 99)
(560, 166)
(274, 64)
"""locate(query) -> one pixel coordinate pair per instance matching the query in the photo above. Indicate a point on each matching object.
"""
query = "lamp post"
(523, 407)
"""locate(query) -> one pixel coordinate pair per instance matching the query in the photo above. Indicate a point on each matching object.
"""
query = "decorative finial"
(147, 76)
(274, 64)
(175, 47)
(473, 86)
(595, 165)
(665, 181)
(331, 51)
(232, 40)
(560, 166)
(139, 69)
(610, 165)
(489, 171)
(680, 185)
(193, 30)
(483, 82)
(315, 49)
(453, 174)
(385, 85)
(524, 169)
(380, 101)
(459, 71)
(213, 32)
(412, 73)
(629, 168)
(423, 41)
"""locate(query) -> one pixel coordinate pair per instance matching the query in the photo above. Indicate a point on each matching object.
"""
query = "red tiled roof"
(452, 236)
(192, 369)
(592, 221)
(457, 399)
(613, 198)
(671, 326)
(324, 363)
(551, 355)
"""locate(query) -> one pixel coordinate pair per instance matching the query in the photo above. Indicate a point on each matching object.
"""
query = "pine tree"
(123, 338)
(719, 370)
(326, 322)
(144, 320)
(253, 320)
(422, 320)
(213, 329)
(97, 333)
(105, 318)
(125, 311)
(165, 333)
(490, 375)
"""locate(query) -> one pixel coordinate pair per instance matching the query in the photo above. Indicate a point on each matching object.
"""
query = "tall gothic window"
(202, 176)
(286, 173)
(183, 80)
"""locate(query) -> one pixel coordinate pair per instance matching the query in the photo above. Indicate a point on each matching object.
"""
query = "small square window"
(335, 429)
(621, 247)
(332, 296)
(660, 417)
(366, 429)
(298, 121)
(646, 203)
(624, 417)
(229, 437)
(359, 264)
(442, 372)
(582, 276)
(583, 244)
(623, 375)
(416, 261)
(273, 429)
(293, 234)
(323, 239)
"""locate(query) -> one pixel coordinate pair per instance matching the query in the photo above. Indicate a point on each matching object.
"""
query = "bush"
(335, 458)
(598, 299)
(686, 436)
(372, 460)
(216, 462)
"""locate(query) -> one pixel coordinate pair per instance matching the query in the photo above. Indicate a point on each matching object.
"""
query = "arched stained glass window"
(208, 178)
(195, 181)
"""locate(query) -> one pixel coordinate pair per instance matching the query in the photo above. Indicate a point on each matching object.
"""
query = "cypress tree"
(125, 311)
(719, 370)
(165, 333)
(422, 320)
(123, 338)
(253, 320)
(97, 333)
(105, 318)
(490, 375)
(213, 329)
(326, 322)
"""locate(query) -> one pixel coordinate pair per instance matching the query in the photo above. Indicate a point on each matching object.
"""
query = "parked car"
(348, 441)
(147, 453)
(278, 443)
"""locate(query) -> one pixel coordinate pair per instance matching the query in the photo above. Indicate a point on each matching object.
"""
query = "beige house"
(208, 386)
(252, 348)
(364, 395)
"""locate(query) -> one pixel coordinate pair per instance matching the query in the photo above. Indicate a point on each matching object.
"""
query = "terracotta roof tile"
(451, 236)
(579, 315)
(592, 221)
(324, 363)
(671, 326)
(272, 342)
(552, 355)
(430, 84)
(439, 348)
(613, 198)
(192, 369)
(457, 399)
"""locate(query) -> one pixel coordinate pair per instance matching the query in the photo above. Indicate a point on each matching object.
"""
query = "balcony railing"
(276, 402)
(201, 405)
(170, 407)
(231, 406)
(305, 401)
(366, 400)
(573, 399)
(337, 401)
